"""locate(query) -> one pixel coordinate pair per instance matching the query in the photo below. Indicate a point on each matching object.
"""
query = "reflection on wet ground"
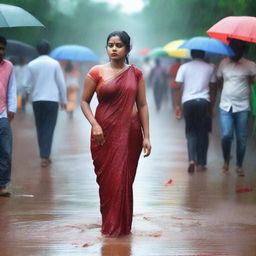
(55, 211)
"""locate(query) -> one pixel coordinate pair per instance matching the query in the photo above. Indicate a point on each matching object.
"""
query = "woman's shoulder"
(94, 72)
(95, 68)
(136, 68)
(137, 71)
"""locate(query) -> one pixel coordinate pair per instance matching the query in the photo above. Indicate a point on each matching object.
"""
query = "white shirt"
(196, 76)
(11, 96)
(44, 79)
(236, 87)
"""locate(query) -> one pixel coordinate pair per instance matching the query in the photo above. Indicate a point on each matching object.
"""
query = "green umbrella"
(14, 16)
(156, 52)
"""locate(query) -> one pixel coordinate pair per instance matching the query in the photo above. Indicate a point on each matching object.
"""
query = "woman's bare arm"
(88, 92)
(144, 117)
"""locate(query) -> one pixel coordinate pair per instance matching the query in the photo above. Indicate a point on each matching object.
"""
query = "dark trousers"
(198, 125)
(45, 113)
(5, 151)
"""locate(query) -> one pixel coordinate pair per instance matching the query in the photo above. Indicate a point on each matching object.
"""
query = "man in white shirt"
(45, 82)
(236, 74)
(196, 90)
(7, 111)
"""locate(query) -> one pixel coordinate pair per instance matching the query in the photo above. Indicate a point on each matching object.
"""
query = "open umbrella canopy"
(238, 27)
(157, 52)
(21, 50)
(172, 49)
(75, 53)
(207, 44)
(14, 16)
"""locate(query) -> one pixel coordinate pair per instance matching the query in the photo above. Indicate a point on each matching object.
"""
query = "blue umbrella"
(74, 52)
(207, 44)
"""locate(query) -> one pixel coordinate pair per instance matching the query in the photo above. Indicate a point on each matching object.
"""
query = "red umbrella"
(143, 51)
(238, 27)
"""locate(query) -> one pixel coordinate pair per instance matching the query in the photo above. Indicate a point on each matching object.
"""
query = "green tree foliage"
(89, 23)
(187, 18)
(177, 19)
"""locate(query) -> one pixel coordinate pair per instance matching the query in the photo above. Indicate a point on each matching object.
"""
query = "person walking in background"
(20, 69)
(146, 68)
(8, 101)
(45, 82)
(158, 81)
(172, 74)
(117, 138)
(198, 80)
(236, 73)
(72, 76)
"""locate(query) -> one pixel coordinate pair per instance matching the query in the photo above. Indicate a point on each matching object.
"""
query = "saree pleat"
(116, 161)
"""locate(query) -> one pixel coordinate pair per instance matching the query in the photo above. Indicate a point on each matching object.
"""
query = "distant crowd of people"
(49, 84)
(193, 87)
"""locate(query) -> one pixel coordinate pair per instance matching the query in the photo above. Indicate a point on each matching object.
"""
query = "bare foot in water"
(191, 167)
(225, 167)
(240, 171)
(4, 192)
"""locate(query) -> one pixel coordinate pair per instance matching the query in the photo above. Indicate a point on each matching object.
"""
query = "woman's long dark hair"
(126, 40)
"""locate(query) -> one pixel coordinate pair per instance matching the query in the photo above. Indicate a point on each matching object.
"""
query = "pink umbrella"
(238, 27)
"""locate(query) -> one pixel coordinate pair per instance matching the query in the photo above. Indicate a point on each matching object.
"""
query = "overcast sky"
(126, 6)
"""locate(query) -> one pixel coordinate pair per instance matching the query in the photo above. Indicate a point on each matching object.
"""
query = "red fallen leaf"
(211, 254)
(155, 235)
(169, 182)
(244, 189)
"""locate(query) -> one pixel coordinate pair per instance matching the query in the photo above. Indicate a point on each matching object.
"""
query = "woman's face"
(116, 49)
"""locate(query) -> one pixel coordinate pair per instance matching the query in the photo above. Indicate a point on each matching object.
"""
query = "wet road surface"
(55, 211)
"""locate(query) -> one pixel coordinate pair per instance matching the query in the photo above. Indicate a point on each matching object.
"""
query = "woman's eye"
(119, 45)
(110, 45)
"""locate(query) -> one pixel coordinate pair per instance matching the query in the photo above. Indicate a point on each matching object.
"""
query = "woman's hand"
(146, 147)
(98, 134)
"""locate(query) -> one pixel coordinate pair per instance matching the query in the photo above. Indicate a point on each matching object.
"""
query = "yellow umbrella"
(172, 49)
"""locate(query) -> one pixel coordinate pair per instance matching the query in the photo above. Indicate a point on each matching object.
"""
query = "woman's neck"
(117, 64)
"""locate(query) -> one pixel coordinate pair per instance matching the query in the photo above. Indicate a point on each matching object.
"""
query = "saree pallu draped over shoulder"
(116, 161)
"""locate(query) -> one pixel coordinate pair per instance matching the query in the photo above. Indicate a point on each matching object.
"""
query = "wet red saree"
(116, 161)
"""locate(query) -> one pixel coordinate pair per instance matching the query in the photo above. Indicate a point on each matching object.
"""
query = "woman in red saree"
(120, 129)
